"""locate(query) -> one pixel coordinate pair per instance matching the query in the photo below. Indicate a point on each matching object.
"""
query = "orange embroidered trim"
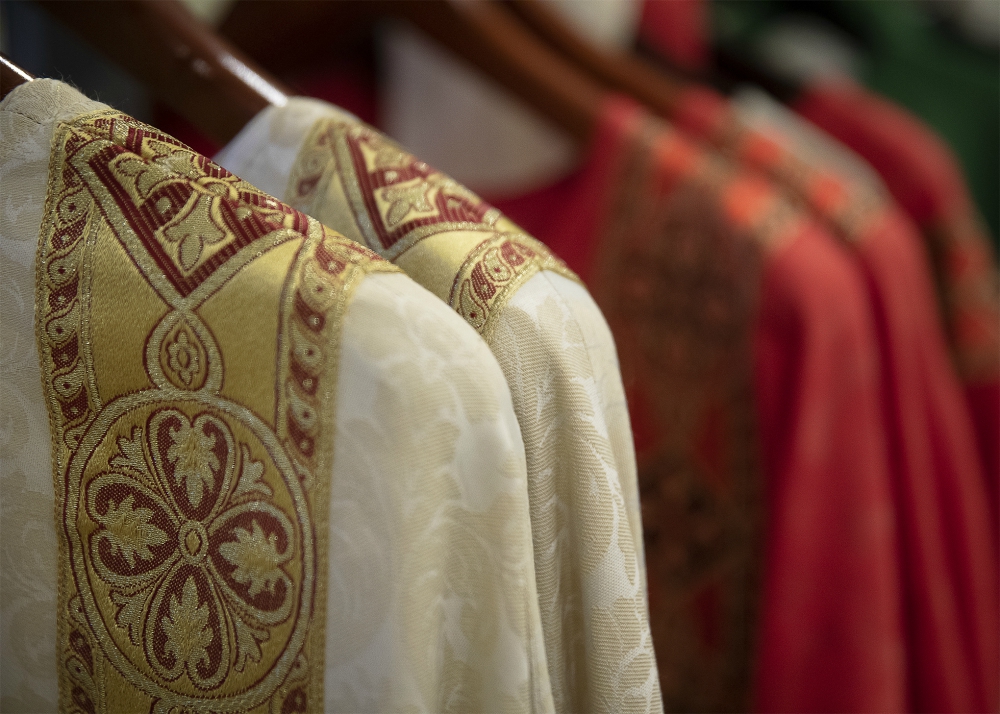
(192, 526)
(965, 269)
(969, 288)
(851, 208)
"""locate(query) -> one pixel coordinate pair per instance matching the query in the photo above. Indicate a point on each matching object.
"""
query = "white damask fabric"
(558, 356)
(431, 599)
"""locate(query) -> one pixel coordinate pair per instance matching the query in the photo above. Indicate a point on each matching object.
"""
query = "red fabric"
(924, 176)
(350, 85)
(950, 568)
(831, 634)
(678, 30)
(918, 168)
(829, 631)
(172, 123)
(983, 400)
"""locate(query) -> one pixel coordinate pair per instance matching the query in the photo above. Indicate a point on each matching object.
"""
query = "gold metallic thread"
(191, 509)
(443, 235)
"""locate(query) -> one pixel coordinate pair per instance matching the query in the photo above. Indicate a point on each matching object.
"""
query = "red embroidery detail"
(447, 206)
(151, 214)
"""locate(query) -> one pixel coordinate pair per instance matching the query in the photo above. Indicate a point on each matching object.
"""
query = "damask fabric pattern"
(558, 357)
(27, 498)
(200, 463)
(951, 600)
(749, 357)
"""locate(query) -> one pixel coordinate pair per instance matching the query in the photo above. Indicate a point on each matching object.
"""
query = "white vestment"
(430, 593)
(554, 348)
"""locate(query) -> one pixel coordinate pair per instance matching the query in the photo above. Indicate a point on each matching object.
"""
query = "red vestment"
(949, 566)
(749, 350)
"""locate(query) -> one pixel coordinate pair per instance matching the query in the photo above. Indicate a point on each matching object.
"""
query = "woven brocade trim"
(968, 283)
(188, 328)
(447, 238)
(852, 208)
(493, 272)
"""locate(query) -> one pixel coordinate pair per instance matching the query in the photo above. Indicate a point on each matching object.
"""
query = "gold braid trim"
(494, 271)
(444, 236)
(188, 327)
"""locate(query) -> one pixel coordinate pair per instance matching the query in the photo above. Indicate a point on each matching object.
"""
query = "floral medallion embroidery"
(181, 527)
(192, 524)
(183, 358)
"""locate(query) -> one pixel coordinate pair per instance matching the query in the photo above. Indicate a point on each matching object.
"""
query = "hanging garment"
(749, 357)
(906, 52)
(556, 352)
(950, 568)
(286, 478)
(923, 175)
(958, 92)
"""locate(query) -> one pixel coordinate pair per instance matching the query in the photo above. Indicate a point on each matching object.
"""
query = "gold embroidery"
(192, 522)
(183, 358)
(493, 272)
(443, 235)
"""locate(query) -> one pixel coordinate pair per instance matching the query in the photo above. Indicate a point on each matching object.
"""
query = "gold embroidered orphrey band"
(188, 328)
(443, 235)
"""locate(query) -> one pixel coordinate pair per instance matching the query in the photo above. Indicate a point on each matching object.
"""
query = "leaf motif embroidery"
(130, 613)
(193, 229)
(194, 460)
(143, 177)
(130, 531)
(256, 558)
(403, 199)
(250, 476)
(248, 641)
(187, 634)
(130, 456)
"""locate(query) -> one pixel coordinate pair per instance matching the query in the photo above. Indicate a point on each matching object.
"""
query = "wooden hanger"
(195, 72)
(484, 33)
(656, 88)
(11, 76)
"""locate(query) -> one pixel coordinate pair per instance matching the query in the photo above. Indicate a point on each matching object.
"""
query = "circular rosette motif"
(193, 562)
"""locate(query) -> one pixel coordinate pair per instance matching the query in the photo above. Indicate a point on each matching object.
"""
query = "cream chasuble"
(285, 478)
(555, 350)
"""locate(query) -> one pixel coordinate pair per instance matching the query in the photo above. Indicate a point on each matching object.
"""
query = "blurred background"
(938, 58)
